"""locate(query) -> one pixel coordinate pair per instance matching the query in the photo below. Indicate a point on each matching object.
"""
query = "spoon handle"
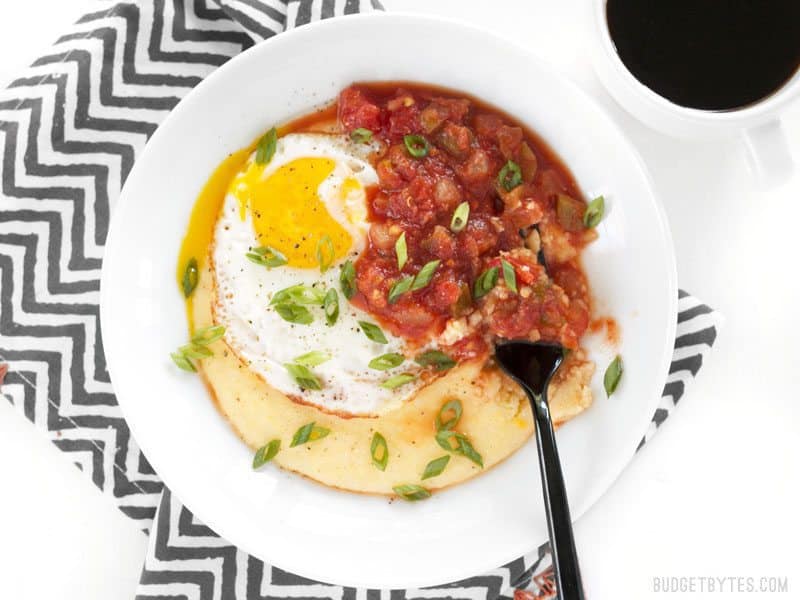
(559, 524)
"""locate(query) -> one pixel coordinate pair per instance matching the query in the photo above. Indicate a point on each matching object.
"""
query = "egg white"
(261, 337)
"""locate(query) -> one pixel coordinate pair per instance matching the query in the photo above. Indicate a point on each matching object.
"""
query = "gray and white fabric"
(71, 127)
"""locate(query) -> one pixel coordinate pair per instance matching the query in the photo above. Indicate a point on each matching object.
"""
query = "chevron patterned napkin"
(71, 127)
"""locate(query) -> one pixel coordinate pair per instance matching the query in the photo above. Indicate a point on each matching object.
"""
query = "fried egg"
(315, 185)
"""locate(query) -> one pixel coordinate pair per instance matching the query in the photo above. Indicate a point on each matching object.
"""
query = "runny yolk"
(287, 212)
(206, 209)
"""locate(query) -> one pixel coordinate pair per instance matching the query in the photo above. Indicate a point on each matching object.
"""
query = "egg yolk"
(287, 212)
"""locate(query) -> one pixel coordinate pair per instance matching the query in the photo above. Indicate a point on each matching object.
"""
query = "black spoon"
(532, 365)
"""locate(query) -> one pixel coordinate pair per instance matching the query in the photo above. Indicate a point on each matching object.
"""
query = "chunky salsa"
(492, 223)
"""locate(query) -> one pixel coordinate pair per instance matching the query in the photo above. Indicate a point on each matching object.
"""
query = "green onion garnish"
(437, 359)
(183, 363)
(509, 275)
(379, 451)
(196, 348)
(310, 432)
(331, 307)
(510, 176)
(416, 145)
(462, 447)
(312, 359)
(425, 275)
(373, 332)
(361, 135)
(613, 375)
(266, 256)
(325, 252)
(195, 351)
(449, 415)
(400, 287)
(265, 149)
(485, 282)
(594, 212)
(266, 453)
(347, 279)
(411, 492)
(294, 313)
(303, 376)
(190, 277)
(435, 467)
(460, 217)
(387, 361)
(398, 380)
(208, 335)
(298, 294)
(401, 250)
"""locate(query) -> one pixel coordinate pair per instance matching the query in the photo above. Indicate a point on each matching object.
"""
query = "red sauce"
(469, 143)
(609, 326)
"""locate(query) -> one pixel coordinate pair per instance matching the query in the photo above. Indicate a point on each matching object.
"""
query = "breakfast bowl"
(292, 522)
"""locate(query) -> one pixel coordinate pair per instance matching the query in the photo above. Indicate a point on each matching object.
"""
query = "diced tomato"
(468, 144)
(356, 111)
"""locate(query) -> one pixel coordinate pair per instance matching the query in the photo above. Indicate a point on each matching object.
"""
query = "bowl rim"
(308, 32)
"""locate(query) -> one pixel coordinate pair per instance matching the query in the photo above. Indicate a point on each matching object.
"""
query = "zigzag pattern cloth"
(71, 128)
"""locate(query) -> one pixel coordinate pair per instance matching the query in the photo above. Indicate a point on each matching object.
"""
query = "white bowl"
(301, 526)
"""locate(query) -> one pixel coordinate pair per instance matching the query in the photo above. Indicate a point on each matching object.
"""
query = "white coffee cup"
(758, 124)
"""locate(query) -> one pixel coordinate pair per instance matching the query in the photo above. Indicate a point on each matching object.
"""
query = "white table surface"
(714, 494)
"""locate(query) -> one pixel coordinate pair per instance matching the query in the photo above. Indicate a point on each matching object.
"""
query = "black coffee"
(708, 54)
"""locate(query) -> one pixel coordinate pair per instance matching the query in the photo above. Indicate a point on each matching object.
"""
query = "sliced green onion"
(398, 380)
(298, 294)
(387, 361)
(444, 438)
(312, 359)
(325, 252)
(435, 467)
(416, 145)
(195, 351)
(401, 250)
(265, 149)
(266, 453)
(510, 176)
(460, 217)
(379, 451)
(373, 332)
(347, 279)
(310, 432)
(613, 375)
(411, 492)
(449, 415)
(437, 359)
(509, 275)
(294, 313)
(485, 282)
(400, 287)
(183, 363)
(303, 376)
(266, 256)
(208, 335)
(594, 212)
(425, 275)
(190, 277)
(361, 135)
(196, 348)
(468, 451)
(331, 307)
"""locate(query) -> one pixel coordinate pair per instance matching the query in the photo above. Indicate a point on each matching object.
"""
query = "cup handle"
(768, 153)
